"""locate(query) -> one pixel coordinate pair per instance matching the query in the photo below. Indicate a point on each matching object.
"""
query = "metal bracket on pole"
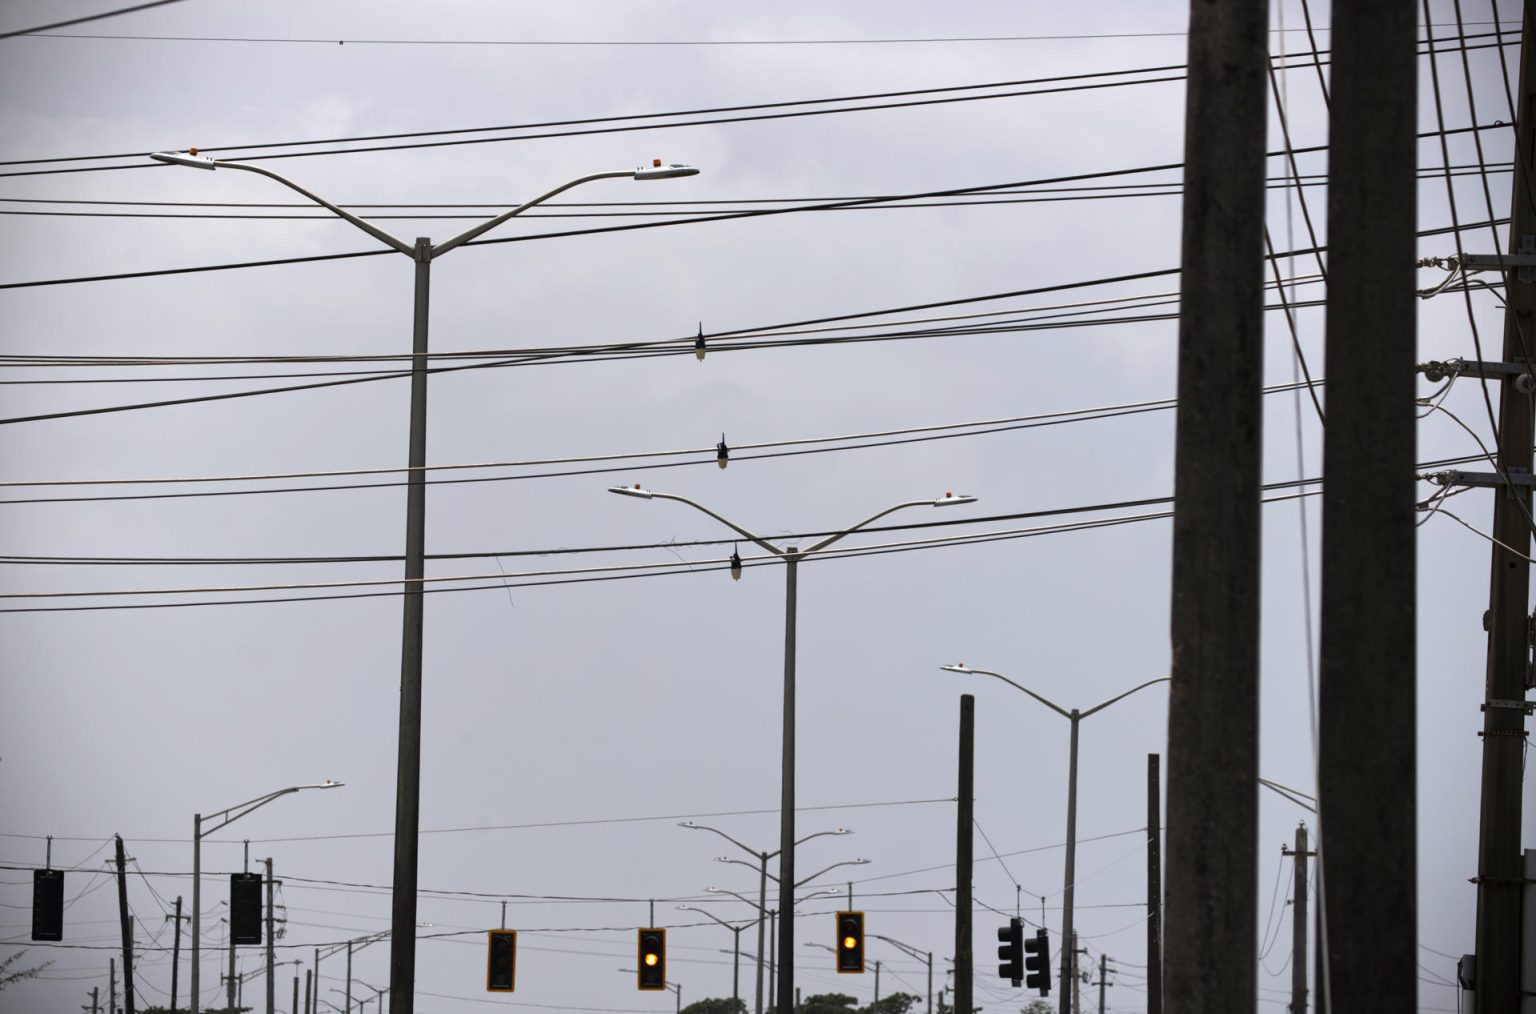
(1527, 707)
(1522, 261)
(1492, 480)
(1436, 370)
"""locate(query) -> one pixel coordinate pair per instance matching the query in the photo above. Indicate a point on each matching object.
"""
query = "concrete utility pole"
(127, 926)
(1367, 770)
(111, 986)
(1077, 999)
(295, 1008)
(95, 1000)
(964, 821)
(176, 950)
(229, 981)
(271, 980)
(309, 991)
(1154, 888)
(1499, 944)
(1299, 921)
(1211, 934)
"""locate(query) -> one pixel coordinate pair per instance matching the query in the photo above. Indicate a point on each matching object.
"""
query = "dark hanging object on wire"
(722, 453)
(698, 344)
(735, 565)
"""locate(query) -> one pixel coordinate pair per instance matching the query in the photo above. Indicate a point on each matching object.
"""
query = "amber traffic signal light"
(652, 971)
(850, 942)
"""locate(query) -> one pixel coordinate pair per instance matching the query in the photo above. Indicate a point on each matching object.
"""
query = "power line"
(89, 17)
(1460, 43)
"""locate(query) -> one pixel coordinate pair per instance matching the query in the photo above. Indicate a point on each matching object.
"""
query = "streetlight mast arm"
(379, 234)
(824, 543)
(705, 827)
(1063, 712)
(845, 862)
(229, 814)
(1101, 707)
(733, 526)
(484, 227)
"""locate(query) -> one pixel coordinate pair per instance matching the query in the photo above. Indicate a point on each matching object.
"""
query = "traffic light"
(245, 908)
(501, 961)
(1037, 962)
(850, 942)
(1012, 951)
(653, 959)
(47, 904)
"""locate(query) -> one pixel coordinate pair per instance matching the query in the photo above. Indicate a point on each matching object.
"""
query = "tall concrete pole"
(964, 822)
(1367, 714)
(271, 965)
(786, 969)
(1210, 934)
(1069, 955)
(402, 921)
(127, 926)
(1499, 943)
(1154, 888)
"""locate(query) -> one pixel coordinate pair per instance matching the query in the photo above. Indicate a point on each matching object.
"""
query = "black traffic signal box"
(1037, 962)
(1011, 954)
(245, 908)
(47, 904)
(501, 961)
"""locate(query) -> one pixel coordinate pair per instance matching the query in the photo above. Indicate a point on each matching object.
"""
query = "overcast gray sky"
(569, 726)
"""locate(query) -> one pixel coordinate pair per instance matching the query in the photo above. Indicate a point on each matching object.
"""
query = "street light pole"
(1074, 716)
(791, 555)
(402, 971)
(912, 952)
(223, 817)
(762, 885)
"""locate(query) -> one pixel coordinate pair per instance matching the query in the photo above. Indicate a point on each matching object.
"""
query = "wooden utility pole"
(964, 821)
(1211, 933)
(1299, 921)
(1499, 876)
(295, 1008)
(111, 986)
(176, 950)
(309, 1005)
(95, 1007)
(127, 925)
(1367, 645)
(1103, 979)
(1154, 888)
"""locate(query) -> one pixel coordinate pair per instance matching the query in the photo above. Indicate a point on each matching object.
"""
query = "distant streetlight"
(402, 963)
(225, 817)
(1068, 958)
(762, 884)
(791, 556)
(912, 952)
(736, 933)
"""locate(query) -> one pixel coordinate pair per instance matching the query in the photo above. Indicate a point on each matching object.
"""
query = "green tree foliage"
(10, 974)
(716, 1005)
(896, 1003)
(1038, 1007)
(828, 1003)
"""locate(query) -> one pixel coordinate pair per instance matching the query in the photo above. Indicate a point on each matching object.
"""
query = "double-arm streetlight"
(1068, 958)
(791, 555)
(762, 884)
(402, 964)
(218, 820)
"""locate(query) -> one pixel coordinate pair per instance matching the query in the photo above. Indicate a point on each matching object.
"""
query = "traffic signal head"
(245, 908)
(1037, 962)
(1011, 953)
(501, 961)
(653, 959)
(850, 942)
(47, 904)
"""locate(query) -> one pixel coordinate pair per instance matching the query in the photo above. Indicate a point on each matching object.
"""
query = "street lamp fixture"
(402, 960)
(791, 555)
(1074, 716)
